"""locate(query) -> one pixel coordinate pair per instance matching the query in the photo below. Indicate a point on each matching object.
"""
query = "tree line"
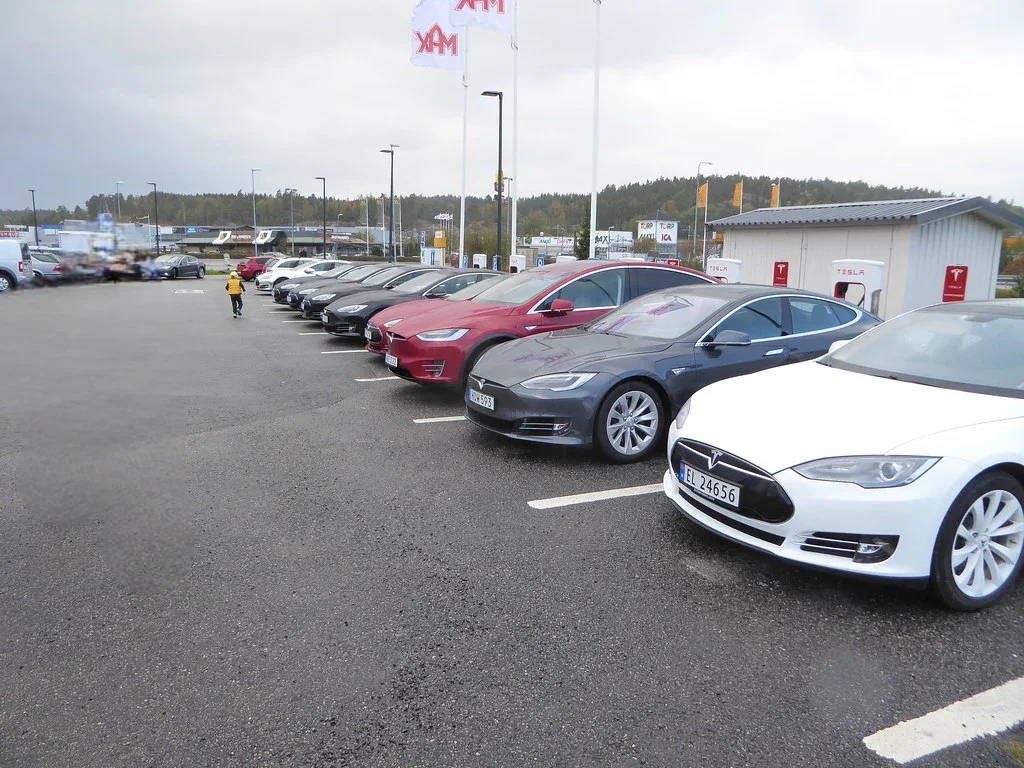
(619, 207)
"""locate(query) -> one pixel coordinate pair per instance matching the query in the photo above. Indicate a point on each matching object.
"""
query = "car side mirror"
(730, 339)
(838, 345)
(559, 307)
(434, 295)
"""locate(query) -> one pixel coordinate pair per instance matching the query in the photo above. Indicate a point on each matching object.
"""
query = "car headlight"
(308, 291)
(681, 417)
(558, 382)
(324, 297)
(391, 323)
(350, 308)
(288, 286)
(868, 471)
(445, 334)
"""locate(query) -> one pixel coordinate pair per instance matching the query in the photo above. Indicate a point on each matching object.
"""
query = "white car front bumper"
(845, 513)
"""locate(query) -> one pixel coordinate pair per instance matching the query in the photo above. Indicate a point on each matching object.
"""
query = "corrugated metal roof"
(923, 210)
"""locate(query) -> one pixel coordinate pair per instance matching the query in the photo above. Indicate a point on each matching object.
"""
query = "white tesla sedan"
(899, 455)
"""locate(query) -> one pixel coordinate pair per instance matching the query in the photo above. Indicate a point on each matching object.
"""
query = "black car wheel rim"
(632, 423)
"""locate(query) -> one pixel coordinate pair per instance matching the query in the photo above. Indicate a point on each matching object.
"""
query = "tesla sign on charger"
(859, 282)
(780, 277)
(726, 270)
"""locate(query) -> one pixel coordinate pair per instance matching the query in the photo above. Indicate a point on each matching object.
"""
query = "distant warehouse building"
(889, 256)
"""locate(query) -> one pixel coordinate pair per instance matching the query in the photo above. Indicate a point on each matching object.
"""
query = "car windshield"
(383, 277)
(166, 259)
(419, 283)
(360, 272)
(976, 350)
(660, 315)
(520, 288)
(289, 263)
(472, 291)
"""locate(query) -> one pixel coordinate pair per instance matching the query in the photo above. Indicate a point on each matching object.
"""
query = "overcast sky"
(192, 93)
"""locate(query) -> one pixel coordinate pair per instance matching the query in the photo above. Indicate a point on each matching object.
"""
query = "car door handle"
(774, 352)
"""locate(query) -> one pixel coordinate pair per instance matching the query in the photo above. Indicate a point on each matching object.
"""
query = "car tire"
(968, 531)
(174, 274)
(622, 440)
(201, 273)
(7, 283)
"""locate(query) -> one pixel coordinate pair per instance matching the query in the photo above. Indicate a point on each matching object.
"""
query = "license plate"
(484, 401)
(368, 335)
(391, 360)
(709, 486)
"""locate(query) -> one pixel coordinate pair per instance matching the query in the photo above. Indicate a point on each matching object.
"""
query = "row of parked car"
(887, 451)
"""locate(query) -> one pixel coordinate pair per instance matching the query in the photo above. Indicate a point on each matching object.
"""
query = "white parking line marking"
(586, 498)
(296, 321)
(439, 420)
(984, 714)
(344, 351)
(381, 378)
(314, 333)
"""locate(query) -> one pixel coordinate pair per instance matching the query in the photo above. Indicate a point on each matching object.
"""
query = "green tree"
(583, 238)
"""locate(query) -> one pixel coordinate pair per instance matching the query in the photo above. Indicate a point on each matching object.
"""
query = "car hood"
(337, 287)
(786, 416)
(559, 352)
(451, 314)
(375, 298)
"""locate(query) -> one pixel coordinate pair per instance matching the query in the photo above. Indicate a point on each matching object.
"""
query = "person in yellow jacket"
(235, 289)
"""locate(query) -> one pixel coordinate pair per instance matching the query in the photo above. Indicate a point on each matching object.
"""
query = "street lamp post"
(252, 174)
(695, 207)
(117, 194)
(35, 218)
(324, 180)
(391, 218)
(501, 178)
(291, 209)
(156, 216)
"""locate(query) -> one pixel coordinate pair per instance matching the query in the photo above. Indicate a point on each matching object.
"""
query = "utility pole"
(35, 218)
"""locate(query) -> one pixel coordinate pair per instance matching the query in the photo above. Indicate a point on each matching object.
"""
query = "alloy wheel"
(5, 283)
(632, 423)
(988, 543)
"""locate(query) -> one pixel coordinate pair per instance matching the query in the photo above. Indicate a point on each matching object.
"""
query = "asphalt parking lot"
(241, 542)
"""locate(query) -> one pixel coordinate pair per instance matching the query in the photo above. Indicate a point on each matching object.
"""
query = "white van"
(15, 265)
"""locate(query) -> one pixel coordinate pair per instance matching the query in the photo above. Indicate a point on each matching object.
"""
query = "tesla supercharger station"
(726, 270)
(516, 263)
(480, 261)
(859, 282)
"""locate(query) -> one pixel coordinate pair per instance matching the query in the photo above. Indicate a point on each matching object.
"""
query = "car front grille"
(543, 427)
(340, 328)
(761, 496)
(499, 425)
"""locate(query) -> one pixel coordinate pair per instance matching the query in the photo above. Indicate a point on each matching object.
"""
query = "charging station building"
(915, 249)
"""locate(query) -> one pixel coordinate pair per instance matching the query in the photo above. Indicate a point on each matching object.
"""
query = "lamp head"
(493, 94)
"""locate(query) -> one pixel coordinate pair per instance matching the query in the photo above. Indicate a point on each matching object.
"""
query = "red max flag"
(487, 14)
(436, 42)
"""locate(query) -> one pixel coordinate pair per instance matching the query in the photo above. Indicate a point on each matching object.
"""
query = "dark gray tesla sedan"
(617, 382)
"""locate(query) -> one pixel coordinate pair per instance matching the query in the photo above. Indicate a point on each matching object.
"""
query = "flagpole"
(514, 229)
(465, 143)
(704, 246)
(597, 114)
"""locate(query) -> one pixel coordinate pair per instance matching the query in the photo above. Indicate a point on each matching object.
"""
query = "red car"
(441, 342)
(254, 266)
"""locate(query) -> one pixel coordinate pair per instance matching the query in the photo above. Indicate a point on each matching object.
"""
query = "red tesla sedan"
(441, 342)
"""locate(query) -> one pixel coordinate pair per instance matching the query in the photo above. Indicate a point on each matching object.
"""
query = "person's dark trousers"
(236, 304)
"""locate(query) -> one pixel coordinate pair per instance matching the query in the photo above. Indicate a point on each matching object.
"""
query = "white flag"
(435, 40)
(489, 14)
